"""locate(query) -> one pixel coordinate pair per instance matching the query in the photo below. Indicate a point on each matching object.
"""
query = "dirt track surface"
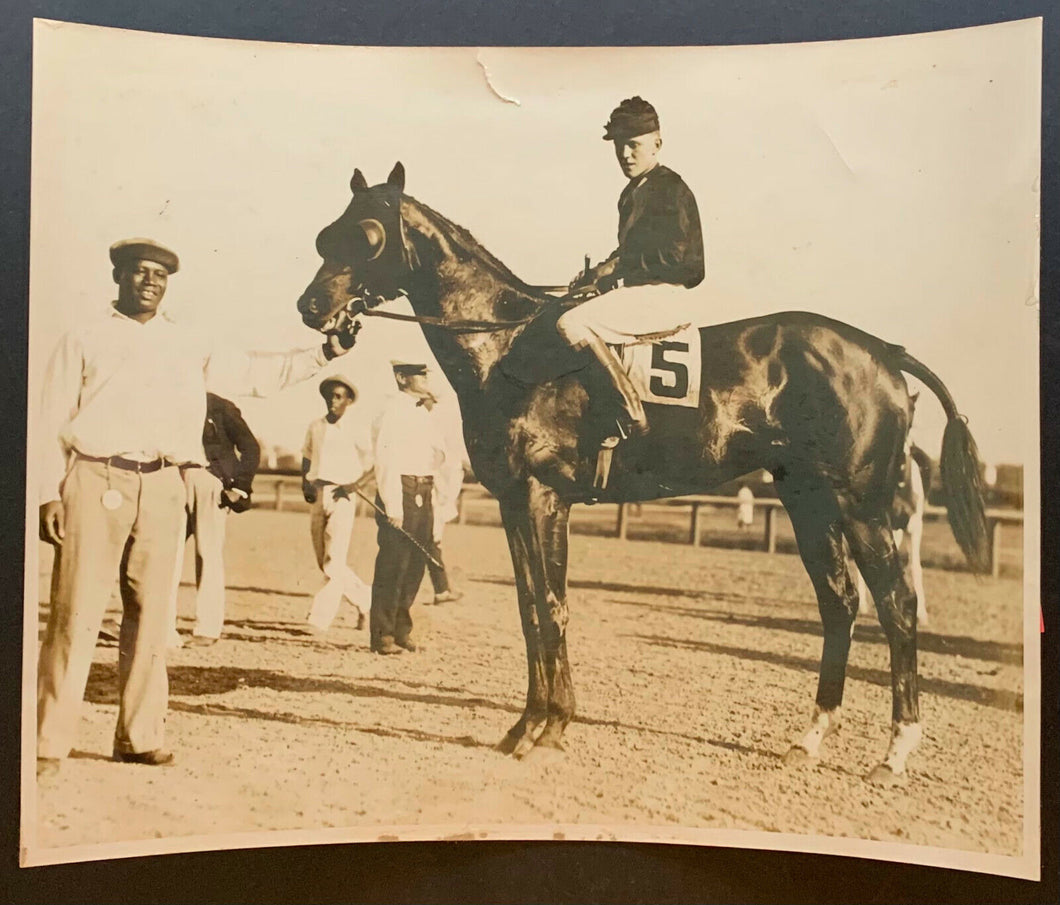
(694, 668)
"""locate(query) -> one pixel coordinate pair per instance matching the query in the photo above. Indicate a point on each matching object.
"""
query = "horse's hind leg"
(877, 556)
(521, 737)
(816, 518)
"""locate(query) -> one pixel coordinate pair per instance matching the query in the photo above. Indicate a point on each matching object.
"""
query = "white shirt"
(408, 441)
(340, 453)
(121, 388)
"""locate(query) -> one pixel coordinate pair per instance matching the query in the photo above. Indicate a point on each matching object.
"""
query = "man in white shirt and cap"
(124, 404)
(337, 455)
(410, 450)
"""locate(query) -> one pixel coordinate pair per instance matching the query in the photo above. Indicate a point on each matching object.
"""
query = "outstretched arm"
(234, 373)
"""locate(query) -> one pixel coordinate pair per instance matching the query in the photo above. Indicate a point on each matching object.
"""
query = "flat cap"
(126, 250)
(408, 368)
(337, 380)
(634, 116)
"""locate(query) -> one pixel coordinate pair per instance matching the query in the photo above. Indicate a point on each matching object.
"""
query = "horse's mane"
(468, 245)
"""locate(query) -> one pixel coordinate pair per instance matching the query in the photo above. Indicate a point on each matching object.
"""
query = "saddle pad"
(667, 371)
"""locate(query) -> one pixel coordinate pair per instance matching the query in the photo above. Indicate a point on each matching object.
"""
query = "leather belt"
(129, 464)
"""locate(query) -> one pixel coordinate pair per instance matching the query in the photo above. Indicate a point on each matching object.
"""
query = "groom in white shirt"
(337, 455)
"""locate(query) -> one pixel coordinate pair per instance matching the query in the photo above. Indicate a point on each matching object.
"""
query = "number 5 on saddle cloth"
(667, 371)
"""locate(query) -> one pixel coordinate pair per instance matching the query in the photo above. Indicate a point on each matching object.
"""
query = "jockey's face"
(339, 400)
(638, 154)
(141, 286)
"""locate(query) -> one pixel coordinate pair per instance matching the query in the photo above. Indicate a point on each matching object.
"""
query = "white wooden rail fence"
(290, 486)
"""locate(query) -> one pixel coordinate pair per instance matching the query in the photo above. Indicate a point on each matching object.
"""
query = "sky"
(891, 183)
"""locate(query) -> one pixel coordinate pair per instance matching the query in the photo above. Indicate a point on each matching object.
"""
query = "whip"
(383, 513)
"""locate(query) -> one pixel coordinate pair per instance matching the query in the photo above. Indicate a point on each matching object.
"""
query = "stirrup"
(603, 464)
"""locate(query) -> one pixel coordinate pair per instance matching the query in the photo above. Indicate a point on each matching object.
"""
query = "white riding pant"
(627, 314)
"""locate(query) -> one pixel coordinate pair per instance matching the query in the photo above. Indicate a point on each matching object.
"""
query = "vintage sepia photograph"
(451, 443)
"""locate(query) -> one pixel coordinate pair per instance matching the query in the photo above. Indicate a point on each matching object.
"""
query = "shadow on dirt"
(251, 713)
(864, 633)
(191, 681)
(1002, 699)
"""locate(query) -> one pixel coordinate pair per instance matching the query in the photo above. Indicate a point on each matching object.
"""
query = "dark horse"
(821, 405)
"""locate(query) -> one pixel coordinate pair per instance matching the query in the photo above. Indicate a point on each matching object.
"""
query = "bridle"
(366, 303)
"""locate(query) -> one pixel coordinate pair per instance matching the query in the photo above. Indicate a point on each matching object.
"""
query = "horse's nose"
(308, 304)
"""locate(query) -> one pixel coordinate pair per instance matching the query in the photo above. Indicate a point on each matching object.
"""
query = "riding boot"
(628, 398)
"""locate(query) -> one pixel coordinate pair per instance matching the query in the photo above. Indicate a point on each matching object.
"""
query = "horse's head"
(367, 257)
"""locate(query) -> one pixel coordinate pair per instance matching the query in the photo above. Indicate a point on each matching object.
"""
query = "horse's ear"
(358, 183)
(397, 177)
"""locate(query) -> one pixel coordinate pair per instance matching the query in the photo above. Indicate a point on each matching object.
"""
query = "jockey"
(641, 288)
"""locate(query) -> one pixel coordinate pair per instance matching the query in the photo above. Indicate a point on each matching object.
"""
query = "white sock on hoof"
(904, 739)
(823, 724)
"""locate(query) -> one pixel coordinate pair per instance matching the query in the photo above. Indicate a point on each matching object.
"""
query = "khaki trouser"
(139, 543)
(331, 527)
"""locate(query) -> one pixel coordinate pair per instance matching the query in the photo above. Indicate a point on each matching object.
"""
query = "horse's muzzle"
(315, 310)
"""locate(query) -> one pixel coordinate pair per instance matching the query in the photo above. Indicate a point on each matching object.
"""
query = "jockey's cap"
(334, 380)
(634, 116)
(127, 250)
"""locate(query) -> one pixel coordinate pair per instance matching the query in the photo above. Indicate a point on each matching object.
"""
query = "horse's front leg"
(549, 516)
(521, 737)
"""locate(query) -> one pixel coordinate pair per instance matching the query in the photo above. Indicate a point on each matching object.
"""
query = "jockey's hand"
(341, 492)
(53, 522)
(583, 282)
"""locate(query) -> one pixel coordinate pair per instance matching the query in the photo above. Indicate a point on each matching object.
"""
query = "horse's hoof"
(797, 756)
(522, 747)
(507, 744)
(885, 777)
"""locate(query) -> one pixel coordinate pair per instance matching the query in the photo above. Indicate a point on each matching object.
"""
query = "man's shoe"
(157, 758)
(47, 767)
(448, 597)
(200, 641)
(387, 647)
(408, 644)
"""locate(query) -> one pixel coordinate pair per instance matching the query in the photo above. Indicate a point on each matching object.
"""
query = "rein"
(461, 326)
(469, 326)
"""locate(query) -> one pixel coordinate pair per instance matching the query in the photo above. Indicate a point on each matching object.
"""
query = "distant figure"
(745, 512)
(336, 453)
(411, 451)
(231, 456)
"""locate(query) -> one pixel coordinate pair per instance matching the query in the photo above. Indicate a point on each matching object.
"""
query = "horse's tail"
(962, 482)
